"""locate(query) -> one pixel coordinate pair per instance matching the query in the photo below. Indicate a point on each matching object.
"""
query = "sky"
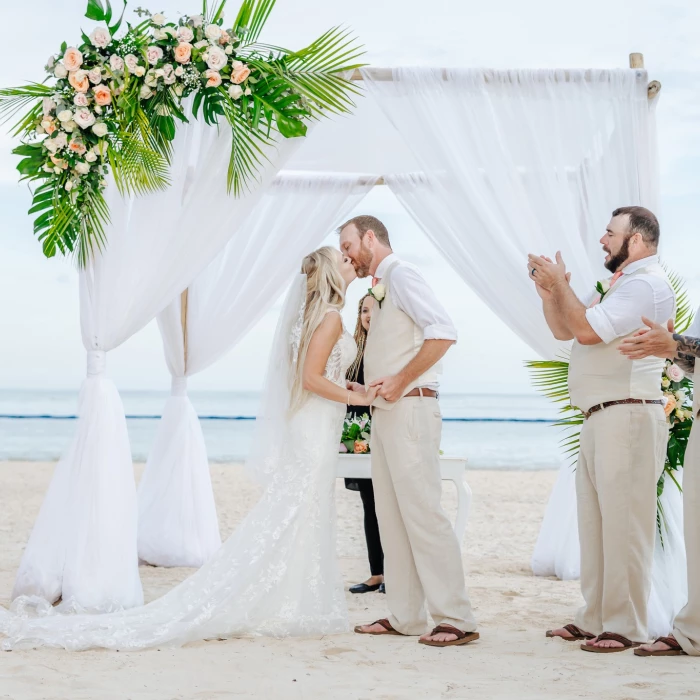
(40, 346)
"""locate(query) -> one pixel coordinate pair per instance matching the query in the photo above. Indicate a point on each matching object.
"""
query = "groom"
(409, 334)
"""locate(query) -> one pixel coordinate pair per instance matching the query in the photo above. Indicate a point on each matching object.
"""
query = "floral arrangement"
(112, 101)
(356, 434)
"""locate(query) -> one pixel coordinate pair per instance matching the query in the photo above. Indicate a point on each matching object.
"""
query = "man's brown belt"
(599, 407)
(429, 393)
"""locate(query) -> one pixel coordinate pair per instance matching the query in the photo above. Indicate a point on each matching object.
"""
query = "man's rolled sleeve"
(601, 324)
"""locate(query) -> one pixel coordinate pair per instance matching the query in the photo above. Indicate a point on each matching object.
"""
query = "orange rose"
(183, 52)
(72, 59)
(102, 95)
(670, 404)
(240, 72)
(77, 147)
(59, 162)
(79, 81)
(360, 447)
(213, 78)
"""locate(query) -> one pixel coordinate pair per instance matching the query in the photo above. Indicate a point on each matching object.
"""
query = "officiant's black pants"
(374, 543)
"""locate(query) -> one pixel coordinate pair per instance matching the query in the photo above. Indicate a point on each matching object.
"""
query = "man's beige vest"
(600, 373)
(392, 342)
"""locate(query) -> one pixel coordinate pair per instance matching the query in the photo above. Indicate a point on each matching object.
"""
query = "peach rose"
(49, 126)
(79, 81)
(72, 59)
(239, 73)
(183, 52)
(77, 147)
(102, 95)
(360, 447)
(59, 162)
(670, 404)
(213, 78)
(225, 37)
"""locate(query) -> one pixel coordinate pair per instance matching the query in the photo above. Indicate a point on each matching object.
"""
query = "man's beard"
(620, 258)
(363, 261)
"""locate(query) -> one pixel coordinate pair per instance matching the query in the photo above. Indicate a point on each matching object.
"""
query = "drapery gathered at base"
(83, 544)
(177, 515)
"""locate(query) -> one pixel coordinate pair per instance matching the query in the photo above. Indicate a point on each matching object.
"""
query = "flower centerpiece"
(111, 103)
(356, 434)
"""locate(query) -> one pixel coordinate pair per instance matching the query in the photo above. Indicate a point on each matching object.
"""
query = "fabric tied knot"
(96, 363)
(178, 386)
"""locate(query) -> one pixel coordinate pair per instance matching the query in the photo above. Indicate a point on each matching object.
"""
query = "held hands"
(655, 340)
(365, 398)
(391, 389)
(547, 274)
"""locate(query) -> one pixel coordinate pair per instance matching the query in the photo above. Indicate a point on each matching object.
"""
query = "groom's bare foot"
(375, 628)
(439, 637)
(563, 633)
(658, 646)
(604, 643)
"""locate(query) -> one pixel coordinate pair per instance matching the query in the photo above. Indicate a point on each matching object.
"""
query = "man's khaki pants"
(422, 558)
(686, 628)
(621, 458)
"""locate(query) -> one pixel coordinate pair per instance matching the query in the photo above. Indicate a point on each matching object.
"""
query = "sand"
(512, 660)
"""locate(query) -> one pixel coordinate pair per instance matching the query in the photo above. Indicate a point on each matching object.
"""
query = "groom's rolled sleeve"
(413, 295)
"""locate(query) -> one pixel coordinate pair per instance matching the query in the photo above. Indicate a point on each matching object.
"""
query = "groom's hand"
(354, 386)
(391, 389)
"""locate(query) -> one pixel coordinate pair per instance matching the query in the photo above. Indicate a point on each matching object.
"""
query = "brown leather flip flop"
(675, 650)
(577, 634)
(462, 637)
(628, 644)
(384, 623)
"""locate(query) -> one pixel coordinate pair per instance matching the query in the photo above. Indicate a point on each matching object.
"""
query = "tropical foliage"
(113, 102)
(551, 378)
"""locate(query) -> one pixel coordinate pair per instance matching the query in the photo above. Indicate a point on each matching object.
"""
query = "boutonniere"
(602, 287)
(378, 292)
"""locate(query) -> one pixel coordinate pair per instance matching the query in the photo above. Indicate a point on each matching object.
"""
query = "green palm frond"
(684, 309)
(136, 167)
(13, 100)
(251, 19)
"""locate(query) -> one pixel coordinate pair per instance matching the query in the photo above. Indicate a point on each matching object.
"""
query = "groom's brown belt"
(430, 393)
(594, 409)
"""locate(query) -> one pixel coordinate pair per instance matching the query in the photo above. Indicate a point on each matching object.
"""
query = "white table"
(352, 466)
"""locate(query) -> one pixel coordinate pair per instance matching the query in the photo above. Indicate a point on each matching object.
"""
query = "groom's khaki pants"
(620, 460)
(422, 557)
(686, 628)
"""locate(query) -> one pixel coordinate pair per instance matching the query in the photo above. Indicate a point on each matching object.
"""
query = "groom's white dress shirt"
(412, 295)
(643, 295)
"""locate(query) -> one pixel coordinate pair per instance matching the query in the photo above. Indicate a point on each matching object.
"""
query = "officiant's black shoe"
(364, 588)
(382, 588)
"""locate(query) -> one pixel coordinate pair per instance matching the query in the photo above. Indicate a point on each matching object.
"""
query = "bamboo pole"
(637, 60)
(183, 321)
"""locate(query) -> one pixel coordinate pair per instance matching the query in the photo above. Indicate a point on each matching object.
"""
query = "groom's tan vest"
(600, 373)
(392, 342)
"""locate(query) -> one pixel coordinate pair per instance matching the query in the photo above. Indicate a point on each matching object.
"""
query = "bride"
(277, 574)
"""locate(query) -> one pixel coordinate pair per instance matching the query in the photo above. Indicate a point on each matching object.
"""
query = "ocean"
(492, 431)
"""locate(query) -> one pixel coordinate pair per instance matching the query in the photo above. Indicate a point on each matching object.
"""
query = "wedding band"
(532, 272)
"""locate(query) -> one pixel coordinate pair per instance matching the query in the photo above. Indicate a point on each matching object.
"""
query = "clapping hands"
(546, 274)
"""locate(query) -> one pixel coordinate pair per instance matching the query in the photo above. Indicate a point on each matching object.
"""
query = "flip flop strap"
(615, 638)
(449, 629)
(669, 641)
(385, 624)
(575, 631)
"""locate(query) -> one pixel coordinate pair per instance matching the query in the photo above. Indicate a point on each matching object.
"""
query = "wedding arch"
(490, 164)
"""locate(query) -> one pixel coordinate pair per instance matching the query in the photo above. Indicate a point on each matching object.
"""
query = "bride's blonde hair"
(325, 290)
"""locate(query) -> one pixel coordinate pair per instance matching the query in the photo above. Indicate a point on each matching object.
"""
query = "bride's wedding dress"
(277, 574)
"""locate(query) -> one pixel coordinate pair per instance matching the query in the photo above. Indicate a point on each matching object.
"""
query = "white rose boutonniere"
(602, 287)
(378, 292)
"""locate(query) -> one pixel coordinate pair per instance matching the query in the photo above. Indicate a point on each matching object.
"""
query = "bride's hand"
(354, 386)
(366, 398)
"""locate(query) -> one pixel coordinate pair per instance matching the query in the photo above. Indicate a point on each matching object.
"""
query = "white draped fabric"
(519, 162)
(83, 545)
(177, 515)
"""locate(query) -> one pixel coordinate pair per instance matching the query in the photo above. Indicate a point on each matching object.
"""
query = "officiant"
(356, 373)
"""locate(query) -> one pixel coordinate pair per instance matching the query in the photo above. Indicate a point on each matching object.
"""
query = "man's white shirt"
(643, 295)
(411, 294)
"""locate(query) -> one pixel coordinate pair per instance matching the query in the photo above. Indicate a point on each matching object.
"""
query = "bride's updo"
(325, 289)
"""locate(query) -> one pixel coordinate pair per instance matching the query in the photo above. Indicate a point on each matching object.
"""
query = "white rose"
(84, 118)
(60, 71)
(48, 104)
(201, 44)
(216, 58)
(160, 35)
(90, 157)
(51, 145)
(98, 109)
(95, 76)
(228, 50)
(604, 285)
(154, 54)
(197, 20)
(185, 34)
(47, 168)
(100, 129)
(131, 62)
(212, 32)
(46, 125)
(236, 65)
(675, 373)
(665, 383)
(158, 19)
(100, 38)
(40, 130)
(248, 91)
(82, 168)
(69, 185)
(379, 292)
(170, 31)
(139, 71)
(70, 126)
(151, 78)
(168, 74)
(179, 71)
(80, 99)
(65, 115)
(145, 92)
(50, 63)
(61, 140)
(116, 63)
(235, 91)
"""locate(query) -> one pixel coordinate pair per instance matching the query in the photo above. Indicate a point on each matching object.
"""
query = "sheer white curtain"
(515, 162)
(83, 545)
(177, 515)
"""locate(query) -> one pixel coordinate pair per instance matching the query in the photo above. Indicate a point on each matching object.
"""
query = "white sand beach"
(512, 660)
